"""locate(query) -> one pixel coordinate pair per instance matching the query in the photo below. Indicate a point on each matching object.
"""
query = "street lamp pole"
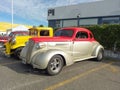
(12, 14)
(78, 16)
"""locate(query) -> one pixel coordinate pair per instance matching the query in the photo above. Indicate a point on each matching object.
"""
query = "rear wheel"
(55, 65)
(100, 55)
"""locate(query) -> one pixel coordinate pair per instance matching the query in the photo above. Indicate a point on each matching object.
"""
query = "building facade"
(92, 13)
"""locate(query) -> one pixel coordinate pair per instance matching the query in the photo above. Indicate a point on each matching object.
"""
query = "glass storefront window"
(93, 21)
(110, 20)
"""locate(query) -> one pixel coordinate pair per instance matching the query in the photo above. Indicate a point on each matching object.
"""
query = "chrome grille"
(29, 52)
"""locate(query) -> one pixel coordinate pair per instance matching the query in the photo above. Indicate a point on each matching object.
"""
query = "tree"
(41, 25)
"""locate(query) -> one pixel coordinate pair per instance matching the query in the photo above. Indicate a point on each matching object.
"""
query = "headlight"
(40, 45)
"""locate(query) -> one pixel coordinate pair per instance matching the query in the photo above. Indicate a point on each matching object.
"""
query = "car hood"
(51, 39)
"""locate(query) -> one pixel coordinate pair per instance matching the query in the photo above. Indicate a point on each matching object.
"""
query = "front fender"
(41, 59)
(20, 41)
(17, 46)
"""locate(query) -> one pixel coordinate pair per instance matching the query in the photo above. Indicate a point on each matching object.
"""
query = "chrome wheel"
(100, 55)
(17, 52)
(55, 65)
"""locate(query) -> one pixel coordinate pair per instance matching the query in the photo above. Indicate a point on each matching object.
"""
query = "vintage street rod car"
(4, 39)
(68, 45)
(16, 43)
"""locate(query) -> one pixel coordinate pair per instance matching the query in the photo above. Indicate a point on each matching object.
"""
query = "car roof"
(19, 31)
(76, 29)
(41, 28)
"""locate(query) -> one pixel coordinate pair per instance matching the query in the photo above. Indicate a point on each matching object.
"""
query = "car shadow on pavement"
(19, 67)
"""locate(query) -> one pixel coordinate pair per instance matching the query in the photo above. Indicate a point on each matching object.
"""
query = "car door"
(82, 46)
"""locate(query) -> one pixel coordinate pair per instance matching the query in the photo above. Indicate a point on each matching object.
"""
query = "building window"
(93, 21)
(69, 23)
(110, 20)
(58, 23)
(51, 12)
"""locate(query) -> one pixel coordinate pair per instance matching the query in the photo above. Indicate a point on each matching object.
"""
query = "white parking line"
(25, 84)
(10, 63)
(60, 84)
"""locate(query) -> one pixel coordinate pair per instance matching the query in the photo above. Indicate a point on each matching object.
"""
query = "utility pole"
(12, 14)
(78, 17)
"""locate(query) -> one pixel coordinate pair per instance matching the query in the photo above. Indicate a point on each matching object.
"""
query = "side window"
(44, 33)
(82, 35)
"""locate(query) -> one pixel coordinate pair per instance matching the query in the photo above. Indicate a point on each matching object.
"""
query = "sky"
(31, 12)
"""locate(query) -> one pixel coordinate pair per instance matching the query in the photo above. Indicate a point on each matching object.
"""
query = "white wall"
(91, 9)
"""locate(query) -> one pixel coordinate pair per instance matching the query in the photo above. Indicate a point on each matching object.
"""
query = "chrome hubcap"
(55, 65)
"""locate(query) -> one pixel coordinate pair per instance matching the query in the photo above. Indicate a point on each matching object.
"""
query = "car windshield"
(66, 33)
(11, 34)
(18, 34)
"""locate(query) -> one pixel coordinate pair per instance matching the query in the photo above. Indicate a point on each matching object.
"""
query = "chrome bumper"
(2, 46)
(2, 50)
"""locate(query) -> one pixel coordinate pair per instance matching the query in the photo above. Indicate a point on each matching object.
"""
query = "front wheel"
(55, 65)
(17, 52)
(100, 55)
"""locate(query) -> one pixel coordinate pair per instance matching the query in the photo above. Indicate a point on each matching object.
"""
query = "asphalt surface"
(84, 75)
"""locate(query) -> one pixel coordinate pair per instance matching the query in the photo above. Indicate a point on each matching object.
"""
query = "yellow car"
(15, 44)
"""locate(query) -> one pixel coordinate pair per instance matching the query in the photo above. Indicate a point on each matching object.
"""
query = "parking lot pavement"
(84, 75)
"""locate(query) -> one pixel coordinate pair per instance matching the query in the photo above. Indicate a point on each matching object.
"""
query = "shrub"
(107, 35)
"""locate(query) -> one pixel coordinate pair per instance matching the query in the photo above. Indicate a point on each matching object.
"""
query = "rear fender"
(96, 50)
